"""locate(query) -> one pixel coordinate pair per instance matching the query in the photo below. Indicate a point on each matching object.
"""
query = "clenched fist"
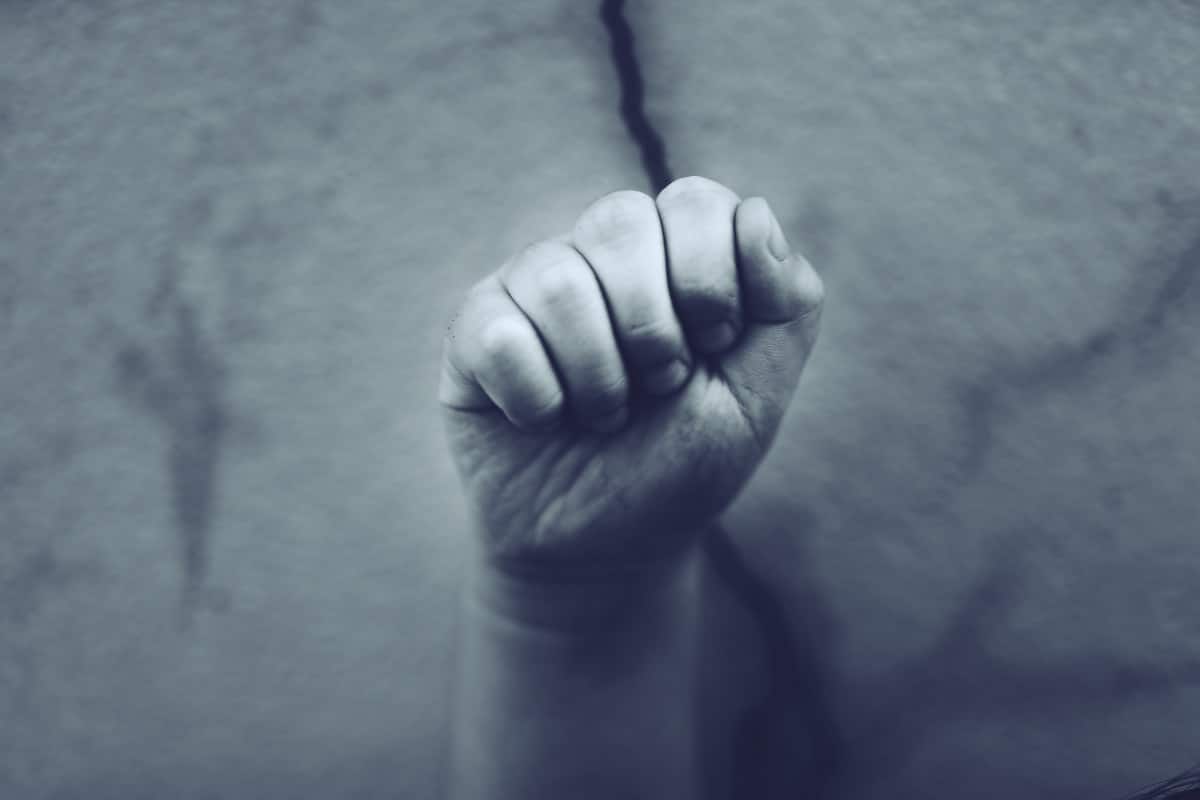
(608, 392)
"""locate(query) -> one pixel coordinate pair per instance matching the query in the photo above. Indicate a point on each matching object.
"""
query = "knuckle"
(551, 270)
(467, 318)
(615, 217)
(607, 394)
(477, 294)
(656, 335)
(544, 409)
(498, 337)
(708, 293)
(695, 188)
(557, 282)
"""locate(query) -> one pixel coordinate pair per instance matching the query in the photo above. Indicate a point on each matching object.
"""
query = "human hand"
(606, 394)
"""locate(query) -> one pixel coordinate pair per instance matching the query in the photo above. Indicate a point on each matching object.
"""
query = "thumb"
(782, 298)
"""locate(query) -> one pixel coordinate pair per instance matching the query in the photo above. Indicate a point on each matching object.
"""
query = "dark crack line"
(633, 96)
(794, 681)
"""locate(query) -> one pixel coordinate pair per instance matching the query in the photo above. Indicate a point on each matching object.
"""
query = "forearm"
(581, 688)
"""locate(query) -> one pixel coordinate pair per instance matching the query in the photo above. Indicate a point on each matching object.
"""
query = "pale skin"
(606, 394)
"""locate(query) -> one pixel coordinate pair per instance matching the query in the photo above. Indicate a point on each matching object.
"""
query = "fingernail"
(776, 241)
(715, 337)
(666, 378)
(612, 421)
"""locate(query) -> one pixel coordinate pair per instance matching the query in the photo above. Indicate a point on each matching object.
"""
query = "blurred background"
(231, 234)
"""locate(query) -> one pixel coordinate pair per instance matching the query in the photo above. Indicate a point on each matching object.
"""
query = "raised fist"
(608, 392)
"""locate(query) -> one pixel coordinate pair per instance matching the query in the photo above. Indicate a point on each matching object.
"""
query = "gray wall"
(230, 233)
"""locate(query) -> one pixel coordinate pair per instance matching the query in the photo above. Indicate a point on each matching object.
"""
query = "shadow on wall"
(792, 742)
(184, 392)
(1138, 331)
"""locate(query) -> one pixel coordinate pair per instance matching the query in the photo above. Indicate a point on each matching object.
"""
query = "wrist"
(577, 683)
(582, 598)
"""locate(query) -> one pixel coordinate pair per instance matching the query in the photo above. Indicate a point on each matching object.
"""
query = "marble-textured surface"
(230, 233)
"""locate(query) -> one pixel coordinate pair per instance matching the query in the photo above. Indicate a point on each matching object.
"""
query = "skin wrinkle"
(762, 438)
(534, 462)
(553, 511)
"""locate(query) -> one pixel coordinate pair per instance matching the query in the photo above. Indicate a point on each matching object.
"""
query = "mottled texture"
(231, 234)
(982, 512)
